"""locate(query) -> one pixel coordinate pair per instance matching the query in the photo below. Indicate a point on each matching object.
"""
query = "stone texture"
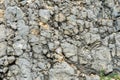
(3, 48)
(69, 49)
(44, 15)
(59, 39)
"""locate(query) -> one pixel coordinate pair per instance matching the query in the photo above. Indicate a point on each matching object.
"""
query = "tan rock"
(60, 17)
(1, 13)
(35, 31)
(44, 25)
(1, 1)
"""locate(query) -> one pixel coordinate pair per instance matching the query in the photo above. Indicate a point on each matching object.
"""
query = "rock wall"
(59, 39)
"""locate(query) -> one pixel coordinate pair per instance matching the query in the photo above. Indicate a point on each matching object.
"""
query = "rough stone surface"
(59, 39)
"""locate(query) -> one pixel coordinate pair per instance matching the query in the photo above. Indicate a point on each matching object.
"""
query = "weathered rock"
(37, 49)
(92, 77)
(2, 33)
(3, 48)
(15, 69)
(60, 17)
(69, 49)
(60, 71)
(90, 38)
(11, 59)
(23, 29)
(102, 59)
(25, 68)
(11, 12)
(44, 15)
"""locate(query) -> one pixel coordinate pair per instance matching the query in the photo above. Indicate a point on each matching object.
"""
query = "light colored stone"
(102, 59)
(25, 68)
(11, 11)
(69, 49)
(33, 38)
(3, 48)
(51, 46)
(44, 15)
(2, 32)
(11, 59)
(60, 17)
(35, 31)
(1, 1)
(92, 77)
(44, 25)
(23, 29)
(60, 71)
(1, 13)
(72, 19)
(37, 49)
(14, 69)
(59, 50)
(45, 33)
(90, 38)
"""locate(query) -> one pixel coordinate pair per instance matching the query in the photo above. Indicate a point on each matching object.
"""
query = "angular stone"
(25, 68)
(11, 11)
(37, 48)
(59, 50)
(72, 19)
(92, 77)
(14, 69)
(60, 17)
(60, 71)
(69, 49)
(2, 32)
(3, 48)
(33, 38)
(44, 15)
(51, 46)
(11, 59)
(102, 59)
(45, 33)
(23, 29)
(1, 13)
(90, 38)
(102, 53)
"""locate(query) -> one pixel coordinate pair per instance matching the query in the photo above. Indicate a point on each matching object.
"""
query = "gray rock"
(11, 59)
(2, 33)
(44, 15)
(45, 33)
(43, 40)
(33, 38)
(21, 44)
(11, 12)
(2, 60)
(23, 29)
(59, 50)
(60, 71)
(92, 77)
(90, 38)
(37, 49)
(102, 59)
(3, 48)
(15, 69)
(51, 46)
(69, 49)
(72, 19)
(91, 15)
(25, 68)
(18, 52)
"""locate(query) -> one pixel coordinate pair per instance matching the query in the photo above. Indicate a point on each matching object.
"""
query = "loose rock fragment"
(44, 15)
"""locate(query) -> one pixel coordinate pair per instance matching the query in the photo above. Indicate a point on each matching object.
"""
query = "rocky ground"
(59, 39)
